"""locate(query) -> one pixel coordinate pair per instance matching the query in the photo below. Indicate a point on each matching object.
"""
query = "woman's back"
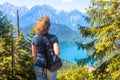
(41, 41)
(39, 49)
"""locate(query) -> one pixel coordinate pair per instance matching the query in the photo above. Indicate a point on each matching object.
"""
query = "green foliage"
(19, 67)
(23, 60)
(105, 31)
(114, 67)
(5, 48)
(66, 65)
(4, 26)
(1, 45)
(76, 73)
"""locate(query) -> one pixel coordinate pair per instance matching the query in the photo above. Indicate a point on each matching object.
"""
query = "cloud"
(67, 0)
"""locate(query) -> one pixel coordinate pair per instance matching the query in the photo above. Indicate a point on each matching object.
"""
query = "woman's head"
(42, 26)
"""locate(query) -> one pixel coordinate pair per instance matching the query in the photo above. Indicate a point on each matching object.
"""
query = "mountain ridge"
(64, 24)
(28, 16)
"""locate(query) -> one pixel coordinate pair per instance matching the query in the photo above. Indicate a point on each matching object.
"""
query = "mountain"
(36, 12)
(71, 19)
(64, 24)
(11, 10)
(75, 17)
(63, 32)
(27, 17)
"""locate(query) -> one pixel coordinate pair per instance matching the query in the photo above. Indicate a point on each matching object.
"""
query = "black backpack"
(53, 62)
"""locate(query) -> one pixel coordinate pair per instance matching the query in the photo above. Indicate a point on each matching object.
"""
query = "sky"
(66, 5)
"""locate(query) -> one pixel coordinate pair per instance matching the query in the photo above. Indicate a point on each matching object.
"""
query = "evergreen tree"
(23, 59)
(104, 17)
(20, 67)
(5, 47)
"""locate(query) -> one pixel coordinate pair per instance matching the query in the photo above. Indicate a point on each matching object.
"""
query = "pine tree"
(5, 47)
(11, 44)
(104, 29)
(23, 59)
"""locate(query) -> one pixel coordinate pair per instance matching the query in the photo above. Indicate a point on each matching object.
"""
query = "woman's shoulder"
(52, 35)
(36, 36)
(53, 38)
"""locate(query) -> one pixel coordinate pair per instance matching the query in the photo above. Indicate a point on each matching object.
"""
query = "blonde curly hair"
(42, 26)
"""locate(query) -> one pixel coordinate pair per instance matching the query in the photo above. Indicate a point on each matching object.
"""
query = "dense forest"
(104, 19)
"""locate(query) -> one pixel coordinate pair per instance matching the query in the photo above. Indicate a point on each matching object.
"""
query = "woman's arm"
(34, 53)
(56, 48)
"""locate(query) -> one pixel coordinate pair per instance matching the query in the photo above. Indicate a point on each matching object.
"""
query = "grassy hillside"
(67, 65)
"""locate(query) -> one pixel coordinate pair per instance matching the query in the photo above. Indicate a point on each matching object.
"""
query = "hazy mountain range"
(71, 19)
(68, 20)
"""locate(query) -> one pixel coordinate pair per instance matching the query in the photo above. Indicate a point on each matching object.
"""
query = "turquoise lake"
(69, 52)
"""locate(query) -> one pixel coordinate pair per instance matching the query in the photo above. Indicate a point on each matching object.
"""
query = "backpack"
(53, 62)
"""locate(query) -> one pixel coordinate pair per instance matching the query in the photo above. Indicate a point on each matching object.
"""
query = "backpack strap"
(49, 44)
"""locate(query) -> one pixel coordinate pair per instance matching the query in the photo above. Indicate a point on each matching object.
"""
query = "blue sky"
(66, 5)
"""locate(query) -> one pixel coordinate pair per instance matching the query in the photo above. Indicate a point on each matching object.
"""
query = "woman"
(39, 49)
